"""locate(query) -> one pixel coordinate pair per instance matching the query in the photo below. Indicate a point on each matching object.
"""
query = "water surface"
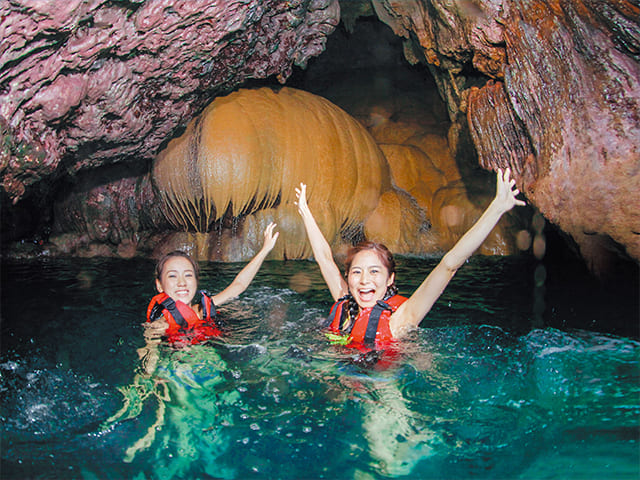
(514, 374)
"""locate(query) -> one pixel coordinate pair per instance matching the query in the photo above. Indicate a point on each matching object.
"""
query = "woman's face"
(178, 280)
(368, 278)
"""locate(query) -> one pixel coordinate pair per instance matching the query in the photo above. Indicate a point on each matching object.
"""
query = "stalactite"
(248, 152)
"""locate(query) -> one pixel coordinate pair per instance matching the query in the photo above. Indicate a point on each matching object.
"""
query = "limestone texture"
(248, 152)
(87, 83)
(91, 91)
(551, 89)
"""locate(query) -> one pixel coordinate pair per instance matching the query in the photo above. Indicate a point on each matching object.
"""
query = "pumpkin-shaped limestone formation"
(249, 150)
(414, 171)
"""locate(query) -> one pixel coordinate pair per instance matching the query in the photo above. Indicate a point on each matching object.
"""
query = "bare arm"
(320, 246)
(411, 313)
(247, 274)
(153, 332)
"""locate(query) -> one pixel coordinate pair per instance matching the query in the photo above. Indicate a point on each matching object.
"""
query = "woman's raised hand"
(301, 195)
(506, 192)
(270, 237)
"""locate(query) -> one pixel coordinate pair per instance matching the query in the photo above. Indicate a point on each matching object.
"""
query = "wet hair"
(176, 253)
(386, 257)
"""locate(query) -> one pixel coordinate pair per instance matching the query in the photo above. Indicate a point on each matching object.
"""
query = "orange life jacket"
(184, 323)
(371, 327)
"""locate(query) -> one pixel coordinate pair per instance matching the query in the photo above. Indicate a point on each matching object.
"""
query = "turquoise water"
(499, 383)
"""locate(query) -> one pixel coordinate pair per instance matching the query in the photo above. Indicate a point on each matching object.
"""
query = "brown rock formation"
(118, 216)
(411, 129)
(248, 151)
(414, 172)
(572, 109)
(562, 110)
(267, 142)
(548, 88)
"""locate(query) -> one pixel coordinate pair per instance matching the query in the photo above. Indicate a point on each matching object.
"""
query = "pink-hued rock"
(87, 83)
(450, 33)
(549, 88)
(571, 110)
(562, 108)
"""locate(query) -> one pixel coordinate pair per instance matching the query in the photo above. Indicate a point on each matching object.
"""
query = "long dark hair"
(176, 253)
(386, 257)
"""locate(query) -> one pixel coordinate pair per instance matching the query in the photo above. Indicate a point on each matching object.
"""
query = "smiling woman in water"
(368, 311)
(171, 314)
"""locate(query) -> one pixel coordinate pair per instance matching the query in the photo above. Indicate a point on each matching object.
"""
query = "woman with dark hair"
(172, 315)
(368, 311)
(177, 284)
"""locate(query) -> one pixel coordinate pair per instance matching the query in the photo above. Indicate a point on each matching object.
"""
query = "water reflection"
(476, 393)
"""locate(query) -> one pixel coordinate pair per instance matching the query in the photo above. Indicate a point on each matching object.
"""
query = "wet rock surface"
(559, 103)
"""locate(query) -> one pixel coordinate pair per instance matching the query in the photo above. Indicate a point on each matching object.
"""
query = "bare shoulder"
(401, 321)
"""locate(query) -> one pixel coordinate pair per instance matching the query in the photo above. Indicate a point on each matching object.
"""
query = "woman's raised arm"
(411, 313)
(247, 274)
(321, 249)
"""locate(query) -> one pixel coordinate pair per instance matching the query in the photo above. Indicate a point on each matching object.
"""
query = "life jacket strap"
(374, 319)
(208, 307)
(170, 305)
(339, 303)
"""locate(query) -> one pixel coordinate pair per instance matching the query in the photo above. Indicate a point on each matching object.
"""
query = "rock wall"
(551, 89)
(214, 189)
(84, 83)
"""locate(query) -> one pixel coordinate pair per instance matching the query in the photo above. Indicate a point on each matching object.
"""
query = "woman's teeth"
(366, 294)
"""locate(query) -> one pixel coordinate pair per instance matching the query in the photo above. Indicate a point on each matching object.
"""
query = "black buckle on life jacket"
(156, 312)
